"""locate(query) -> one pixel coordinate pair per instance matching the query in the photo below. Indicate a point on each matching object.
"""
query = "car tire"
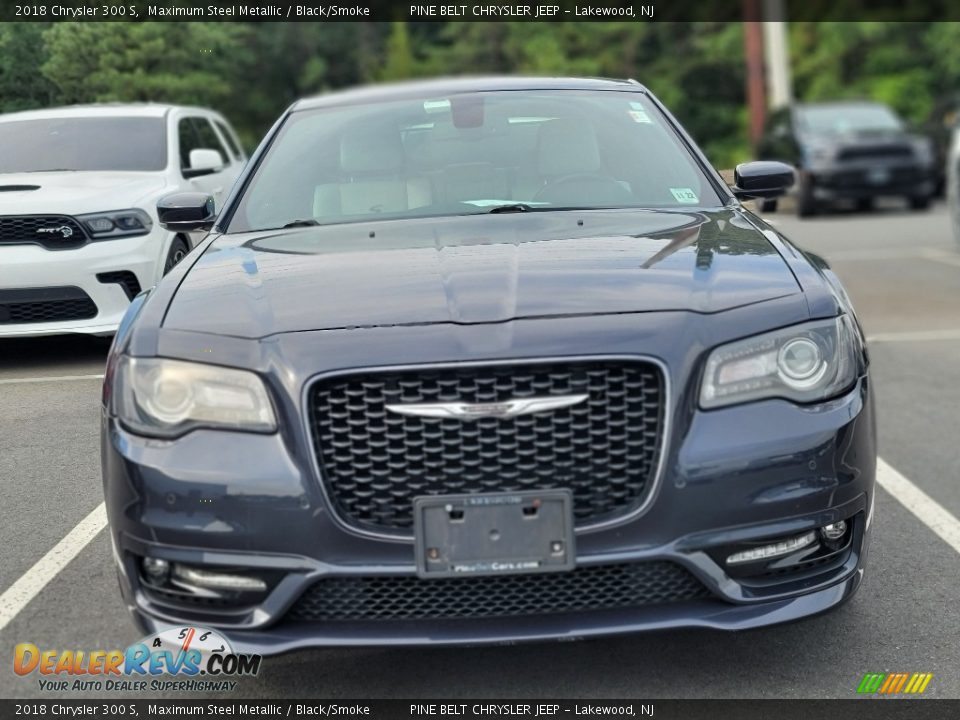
(178, 249)
(767, 205)
(920, 202)
(865, 204)
(806, 204)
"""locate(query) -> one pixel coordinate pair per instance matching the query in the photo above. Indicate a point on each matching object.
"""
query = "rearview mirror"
(203, 161)
(187, 212)
(762, 179)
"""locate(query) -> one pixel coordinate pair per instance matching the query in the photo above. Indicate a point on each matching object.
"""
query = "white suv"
(79, 187)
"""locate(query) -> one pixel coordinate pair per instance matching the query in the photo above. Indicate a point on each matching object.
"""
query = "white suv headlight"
(117, 224)
(167, 398)
(804, 363)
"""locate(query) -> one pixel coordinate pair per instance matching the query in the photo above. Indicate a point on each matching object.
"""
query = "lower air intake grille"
(126, 279)
(404, 597)
(36, 305)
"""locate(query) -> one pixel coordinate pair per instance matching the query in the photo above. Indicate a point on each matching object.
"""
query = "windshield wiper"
(512, 208)
(300, 223)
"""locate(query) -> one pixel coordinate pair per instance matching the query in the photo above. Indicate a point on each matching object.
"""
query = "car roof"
(100, 110)
(455, 86)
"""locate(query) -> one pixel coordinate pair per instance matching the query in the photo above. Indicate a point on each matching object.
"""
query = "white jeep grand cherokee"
(79, 186)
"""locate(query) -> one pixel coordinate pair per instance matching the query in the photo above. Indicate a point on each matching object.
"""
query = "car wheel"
(806, 204)
(178, 250)
(767, 205)
(865, 204)
(920, 202)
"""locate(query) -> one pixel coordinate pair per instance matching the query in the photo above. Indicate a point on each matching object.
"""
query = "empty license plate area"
(494, 534)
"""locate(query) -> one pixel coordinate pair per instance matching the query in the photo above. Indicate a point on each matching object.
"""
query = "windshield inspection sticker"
(638, 114)
(684, 195)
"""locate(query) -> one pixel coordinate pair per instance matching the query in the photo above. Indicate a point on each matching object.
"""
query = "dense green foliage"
(251, 72)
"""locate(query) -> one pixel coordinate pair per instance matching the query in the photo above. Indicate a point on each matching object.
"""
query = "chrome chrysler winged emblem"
(475, 411)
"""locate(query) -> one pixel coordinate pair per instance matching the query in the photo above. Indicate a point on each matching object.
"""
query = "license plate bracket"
(494, 533)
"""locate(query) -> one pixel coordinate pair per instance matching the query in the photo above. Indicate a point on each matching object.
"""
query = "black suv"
(849, 151)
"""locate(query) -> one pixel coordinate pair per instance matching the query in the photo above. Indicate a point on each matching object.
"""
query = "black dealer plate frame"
(494, 534)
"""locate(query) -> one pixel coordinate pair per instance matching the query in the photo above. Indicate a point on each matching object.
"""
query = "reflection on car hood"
(478, 269)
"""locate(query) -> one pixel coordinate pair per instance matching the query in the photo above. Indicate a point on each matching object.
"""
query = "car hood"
(74, 193)
(478, 269)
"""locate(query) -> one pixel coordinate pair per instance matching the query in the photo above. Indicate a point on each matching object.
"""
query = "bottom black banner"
(662, 709)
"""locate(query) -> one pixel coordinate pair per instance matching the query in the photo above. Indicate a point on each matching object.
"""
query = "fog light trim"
(217, 580)
(773, 550)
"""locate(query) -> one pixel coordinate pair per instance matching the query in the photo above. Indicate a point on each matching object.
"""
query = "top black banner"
(545, 11)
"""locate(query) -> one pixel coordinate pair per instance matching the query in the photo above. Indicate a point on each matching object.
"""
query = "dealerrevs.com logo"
(185, 659)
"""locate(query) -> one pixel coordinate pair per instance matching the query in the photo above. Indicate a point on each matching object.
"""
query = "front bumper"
(35, 267)
(747, 473)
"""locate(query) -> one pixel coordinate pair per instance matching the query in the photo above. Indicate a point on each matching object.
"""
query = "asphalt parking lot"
(902, 270)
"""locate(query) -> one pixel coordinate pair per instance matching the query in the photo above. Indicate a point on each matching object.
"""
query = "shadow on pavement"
(58, 351)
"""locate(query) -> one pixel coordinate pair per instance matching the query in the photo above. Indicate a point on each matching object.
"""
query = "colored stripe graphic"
(894, 683)
(871, 682)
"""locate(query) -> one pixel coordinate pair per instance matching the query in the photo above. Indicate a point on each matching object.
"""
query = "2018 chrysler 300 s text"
(486, 360)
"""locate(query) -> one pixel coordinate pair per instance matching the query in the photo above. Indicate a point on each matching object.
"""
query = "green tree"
(163, 62)
(21, 54)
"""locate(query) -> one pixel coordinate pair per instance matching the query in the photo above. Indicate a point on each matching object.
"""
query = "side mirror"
(762, 179)
(187, 212)
(203, 161)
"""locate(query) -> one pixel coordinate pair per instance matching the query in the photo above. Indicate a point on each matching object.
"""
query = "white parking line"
(883, 254)
(914, 336)
(925, 508)
(29, 585)
(49, 378)
(18, 596)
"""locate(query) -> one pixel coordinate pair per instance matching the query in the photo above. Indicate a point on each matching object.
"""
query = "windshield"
(840, 119)
(83, 143)
(468, 154)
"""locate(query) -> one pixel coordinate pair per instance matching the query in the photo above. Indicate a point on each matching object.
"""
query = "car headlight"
(116, 224)
(816, 154)
(804, 363)
(923, 149)
(167, 398)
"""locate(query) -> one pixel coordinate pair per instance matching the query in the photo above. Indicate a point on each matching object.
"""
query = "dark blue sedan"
(483, 361)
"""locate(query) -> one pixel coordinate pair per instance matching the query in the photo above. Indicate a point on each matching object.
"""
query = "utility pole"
(756, 87)
(777, 54)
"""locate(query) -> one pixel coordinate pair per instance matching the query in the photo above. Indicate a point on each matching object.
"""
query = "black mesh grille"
(874, 151)
(124, 278)
(34, 305)
(598, 587)
(54, 232)
(374, 462)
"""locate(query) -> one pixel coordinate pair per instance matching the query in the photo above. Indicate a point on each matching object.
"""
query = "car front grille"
(406, 597)
(54, 232)
(861, 178)
(867, 152)
(37, 305)
(373, 462)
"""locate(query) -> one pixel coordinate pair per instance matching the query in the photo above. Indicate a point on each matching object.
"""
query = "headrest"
(567, 147)
(371, 149)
